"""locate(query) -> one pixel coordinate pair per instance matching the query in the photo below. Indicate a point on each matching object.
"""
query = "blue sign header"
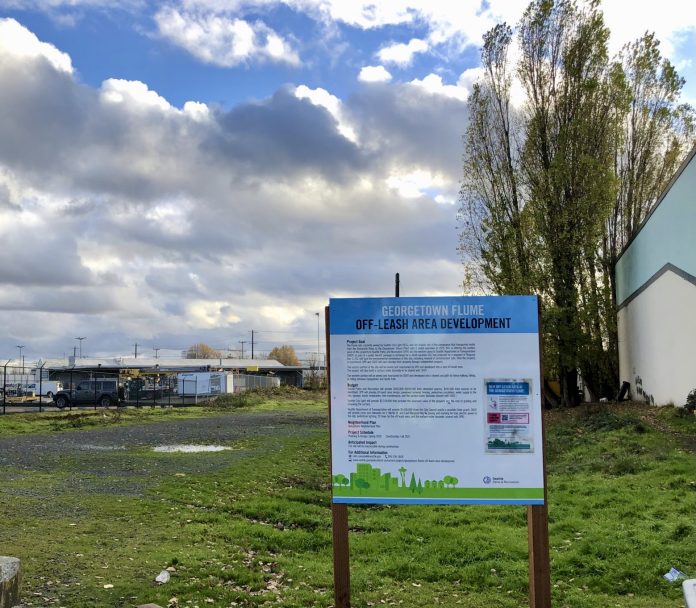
(440, 315)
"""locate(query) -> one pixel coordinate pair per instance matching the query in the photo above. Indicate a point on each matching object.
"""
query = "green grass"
(255, 528)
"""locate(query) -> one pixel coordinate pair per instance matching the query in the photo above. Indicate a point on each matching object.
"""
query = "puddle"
(188, 448)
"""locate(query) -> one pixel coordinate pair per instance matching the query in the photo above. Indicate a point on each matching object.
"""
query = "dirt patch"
(120, 460)
(687, 440)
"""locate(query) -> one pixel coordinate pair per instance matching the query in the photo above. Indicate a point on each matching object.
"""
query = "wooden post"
(538, 520)
(539, 565)
(339, 512)
(341, 555)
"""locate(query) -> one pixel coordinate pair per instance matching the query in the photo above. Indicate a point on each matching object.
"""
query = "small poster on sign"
(508, 406)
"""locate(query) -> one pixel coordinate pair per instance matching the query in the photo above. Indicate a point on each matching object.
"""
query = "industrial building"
(656, 296)
(72, 369)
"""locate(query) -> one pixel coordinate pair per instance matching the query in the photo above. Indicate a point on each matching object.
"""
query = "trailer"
(220, 383)
(203, 383)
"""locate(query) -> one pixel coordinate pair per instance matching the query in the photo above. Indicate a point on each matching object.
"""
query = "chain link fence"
(24, 388)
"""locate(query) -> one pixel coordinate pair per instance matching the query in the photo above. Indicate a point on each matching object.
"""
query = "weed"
(682, 531)
(685, 411)
(237, 400)
(256, 397)
(602, 418)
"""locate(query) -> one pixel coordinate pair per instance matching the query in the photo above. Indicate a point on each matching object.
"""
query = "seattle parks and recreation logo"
(487, 480)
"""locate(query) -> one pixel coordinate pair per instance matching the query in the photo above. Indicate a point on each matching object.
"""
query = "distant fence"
(29, 387)
(247, 382)
(22, 385)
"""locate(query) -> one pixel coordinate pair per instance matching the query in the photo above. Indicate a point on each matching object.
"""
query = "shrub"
(243, 399)
(601, 418)
(691, 402)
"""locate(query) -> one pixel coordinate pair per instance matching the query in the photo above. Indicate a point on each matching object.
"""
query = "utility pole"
(252, 343)
(74, 352)
(80, 339)
(243, 342)
(318, 347)
(136, 350)
(156, 351)
(21, 359)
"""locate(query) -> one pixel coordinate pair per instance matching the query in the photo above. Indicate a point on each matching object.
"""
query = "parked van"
(48, 388)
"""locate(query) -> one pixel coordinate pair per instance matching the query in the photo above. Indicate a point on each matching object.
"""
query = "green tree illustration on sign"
(450, 480)
(361, 484)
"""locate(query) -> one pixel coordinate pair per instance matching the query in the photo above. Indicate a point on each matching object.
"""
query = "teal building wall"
(667, 239)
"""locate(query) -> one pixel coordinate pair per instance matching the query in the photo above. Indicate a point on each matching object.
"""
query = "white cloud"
(402, 54)
(71, 4)
(279, 316)
(134, 94)
(374, 73)
(17, 41)
(470, 19)
(211, 314)
(417, 183)
(465, 85)
(331, 103)
(669, 19)
(434, 85)
(365, 14)
(445, 20)
(171, 216)
(221, 40)
(198, 111)
(189, 221)
(121, 215)
(469, 77)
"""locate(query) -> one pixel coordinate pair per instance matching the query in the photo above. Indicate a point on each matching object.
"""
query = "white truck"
(48, 388)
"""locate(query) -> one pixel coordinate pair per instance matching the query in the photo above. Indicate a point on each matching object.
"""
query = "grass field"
(254, 530)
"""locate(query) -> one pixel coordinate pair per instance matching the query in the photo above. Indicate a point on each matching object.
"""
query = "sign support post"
(339, 512)
(539, 566)
(538, 520)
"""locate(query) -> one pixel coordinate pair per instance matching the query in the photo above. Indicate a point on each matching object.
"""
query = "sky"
(191, 170)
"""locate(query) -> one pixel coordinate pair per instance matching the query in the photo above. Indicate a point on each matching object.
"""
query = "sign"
(436, 400)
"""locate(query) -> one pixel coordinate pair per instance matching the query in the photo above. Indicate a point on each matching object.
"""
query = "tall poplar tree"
(553, 189)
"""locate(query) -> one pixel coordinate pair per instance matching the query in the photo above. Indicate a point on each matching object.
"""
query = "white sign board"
(436, 400)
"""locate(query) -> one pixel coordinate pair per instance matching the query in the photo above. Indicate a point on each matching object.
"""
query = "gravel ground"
(116, 460)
